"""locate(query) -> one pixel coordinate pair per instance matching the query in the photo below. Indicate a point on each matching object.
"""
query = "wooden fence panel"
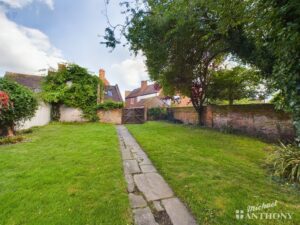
(134, 115)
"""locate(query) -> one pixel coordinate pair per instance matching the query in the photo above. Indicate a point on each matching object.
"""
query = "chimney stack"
(61, 66)
(102, 77)
(144, 84)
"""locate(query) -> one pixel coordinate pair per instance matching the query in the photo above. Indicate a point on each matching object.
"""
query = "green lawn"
(65, 174)
(215, 174)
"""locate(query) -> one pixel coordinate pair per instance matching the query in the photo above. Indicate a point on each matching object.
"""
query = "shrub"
(11, 140)
(18, 104)
(109, 105)
(157, 114)
(285, 162)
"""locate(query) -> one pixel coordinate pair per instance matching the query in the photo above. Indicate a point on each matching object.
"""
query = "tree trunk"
(230, 101)
(10, 131)
(200, 114)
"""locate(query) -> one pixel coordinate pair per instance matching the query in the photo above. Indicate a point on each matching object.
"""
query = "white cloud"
(22, 3)
(129, 73)
(25, 49)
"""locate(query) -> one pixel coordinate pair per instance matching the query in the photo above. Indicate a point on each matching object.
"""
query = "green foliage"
(266, 34)
(23, 104)
(180, 47)
(109, 105)
(11, 140)
(72, 86)
(285, 162)
(234, 84)
(157, 114)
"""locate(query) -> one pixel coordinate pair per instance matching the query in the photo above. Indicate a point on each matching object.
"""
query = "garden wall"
(68, 114)
(42, 117)
(260, 120)
(113, 116)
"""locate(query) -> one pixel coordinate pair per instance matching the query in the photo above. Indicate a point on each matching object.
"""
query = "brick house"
(145, 96)
(150, 97)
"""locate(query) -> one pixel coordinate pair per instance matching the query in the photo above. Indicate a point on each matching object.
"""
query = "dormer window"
(109, 93)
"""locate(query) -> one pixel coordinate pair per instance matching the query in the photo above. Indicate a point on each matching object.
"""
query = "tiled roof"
(31, 81)
(149, 103)
(113, 93)
(150, 89)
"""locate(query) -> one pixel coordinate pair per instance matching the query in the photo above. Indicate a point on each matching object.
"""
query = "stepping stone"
(142, 158)
(131, 166)
(130, 182)
(126, 154)
(153, 186)
(137, 201)
(148, 168)
(177, 212)
(158, 207)
(144, 217)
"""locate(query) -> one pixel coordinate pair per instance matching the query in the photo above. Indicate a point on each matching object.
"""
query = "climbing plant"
(72, 86)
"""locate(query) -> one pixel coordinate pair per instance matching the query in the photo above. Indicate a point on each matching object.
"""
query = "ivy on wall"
(72, 86)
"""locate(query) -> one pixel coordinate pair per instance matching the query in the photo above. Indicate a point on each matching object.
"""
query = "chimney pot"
(101, 74)
(144, 84)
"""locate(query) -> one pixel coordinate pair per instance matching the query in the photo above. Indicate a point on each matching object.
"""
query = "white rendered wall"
(42, 117)
(139, 98)
(68, 114)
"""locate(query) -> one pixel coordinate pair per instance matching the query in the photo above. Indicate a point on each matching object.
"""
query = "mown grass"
(216, 174)
(64, 174)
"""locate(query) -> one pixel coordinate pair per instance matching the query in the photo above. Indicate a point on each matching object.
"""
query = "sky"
(38, 34)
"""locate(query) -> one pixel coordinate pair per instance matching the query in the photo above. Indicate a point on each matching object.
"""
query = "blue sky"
(37, 34)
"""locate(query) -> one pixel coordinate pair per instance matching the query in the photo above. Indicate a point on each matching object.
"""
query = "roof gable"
(150, 89)
(31, 81)
(112, 92)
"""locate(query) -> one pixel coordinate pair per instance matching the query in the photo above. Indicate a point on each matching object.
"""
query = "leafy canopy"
(21, 106)
(234, 84)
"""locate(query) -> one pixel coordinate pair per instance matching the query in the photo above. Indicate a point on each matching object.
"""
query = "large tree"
(180, 43)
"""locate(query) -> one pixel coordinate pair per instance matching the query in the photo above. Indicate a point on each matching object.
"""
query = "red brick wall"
(257, 120)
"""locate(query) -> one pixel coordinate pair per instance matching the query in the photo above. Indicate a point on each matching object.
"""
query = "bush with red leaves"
(4, 100)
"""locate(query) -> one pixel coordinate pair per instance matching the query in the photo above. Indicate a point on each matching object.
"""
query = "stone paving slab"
(144, 216)
(177, 212)
(130, 182)
(131, 166)
(137, 201)
(153, 186)
(148, 168)
(126, 154)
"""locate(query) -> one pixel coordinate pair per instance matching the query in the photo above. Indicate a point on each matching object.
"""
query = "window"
(109, 93)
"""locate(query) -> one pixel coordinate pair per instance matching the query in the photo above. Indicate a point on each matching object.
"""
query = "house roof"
(112, 92)
(149, 103)
(31, 81)
(150, 89)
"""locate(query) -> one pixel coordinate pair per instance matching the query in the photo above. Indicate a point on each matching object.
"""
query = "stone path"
(152, 200)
